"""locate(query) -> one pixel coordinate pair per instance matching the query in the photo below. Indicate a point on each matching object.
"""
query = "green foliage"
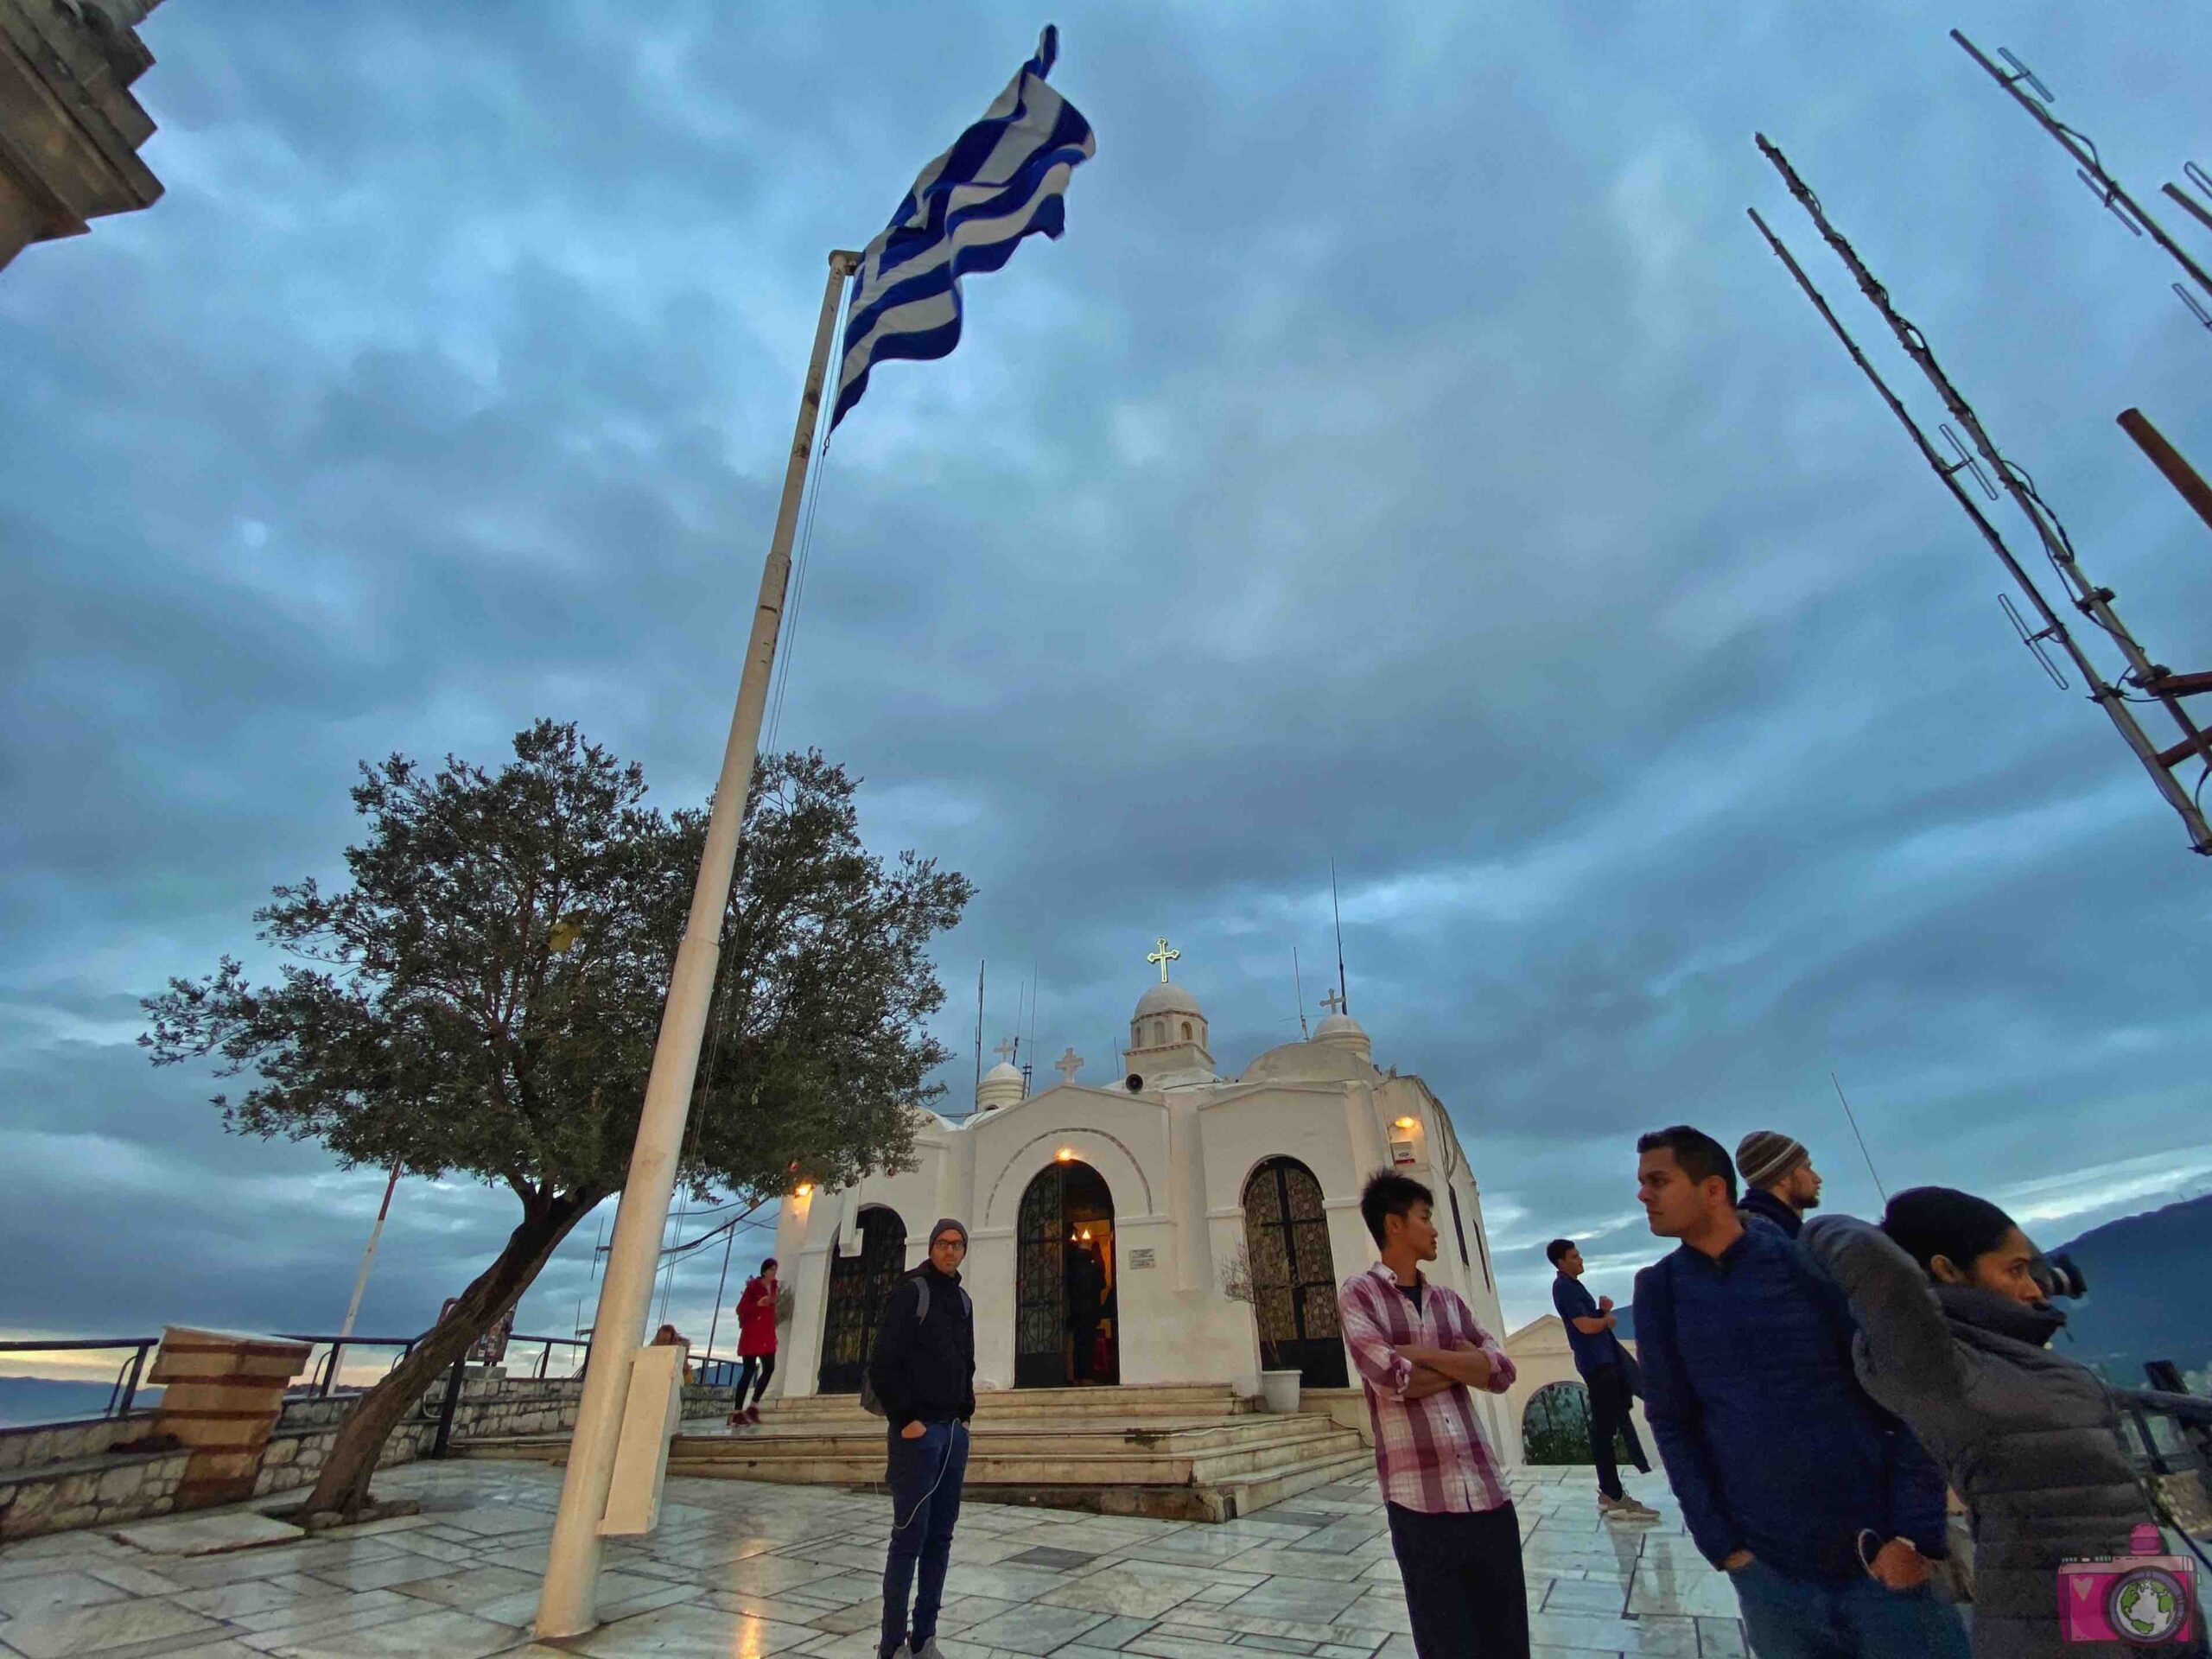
(483, 998)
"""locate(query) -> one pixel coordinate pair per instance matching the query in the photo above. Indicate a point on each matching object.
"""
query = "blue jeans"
(1787, 1616)
(925, 1476)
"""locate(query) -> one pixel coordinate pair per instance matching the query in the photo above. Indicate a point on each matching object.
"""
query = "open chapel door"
(1294, 1276)
(1066, 1322)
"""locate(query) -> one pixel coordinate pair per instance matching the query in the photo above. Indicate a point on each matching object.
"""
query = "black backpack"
(869, 1403)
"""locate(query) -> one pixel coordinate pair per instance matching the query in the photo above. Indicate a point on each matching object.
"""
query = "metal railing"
(2168, 1435)
(324, 1370)
(127, 1378)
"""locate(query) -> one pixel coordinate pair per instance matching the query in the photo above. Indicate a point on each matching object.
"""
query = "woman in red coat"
(756, 1341)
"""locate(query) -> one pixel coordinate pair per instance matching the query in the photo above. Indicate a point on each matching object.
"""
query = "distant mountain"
(25, 1400)
(2150, 1280)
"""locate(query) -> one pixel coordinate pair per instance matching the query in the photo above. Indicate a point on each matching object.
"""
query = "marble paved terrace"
(744, 1569)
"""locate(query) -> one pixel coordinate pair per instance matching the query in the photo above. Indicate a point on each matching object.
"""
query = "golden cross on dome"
(1163, 955)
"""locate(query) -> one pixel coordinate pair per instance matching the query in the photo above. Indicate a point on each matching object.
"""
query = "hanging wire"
(816, 474)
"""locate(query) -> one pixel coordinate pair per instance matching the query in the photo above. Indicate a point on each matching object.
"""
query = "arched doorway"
(858, 1285)
(1294, 1278)
(1066, 1330)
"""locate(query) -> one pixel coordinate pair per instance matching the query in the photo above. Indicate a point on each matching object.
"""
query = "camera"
(2145, 1597)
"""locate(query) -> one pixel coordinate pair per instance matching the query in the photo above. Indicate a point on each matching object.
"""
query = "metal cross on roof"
(1007, 1048)
(1334, 1003)
(1163, 955)
(1068, 1064)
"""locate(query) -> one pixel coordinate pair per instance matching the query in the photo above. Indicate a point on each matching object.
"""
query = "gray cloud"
(1409, 454)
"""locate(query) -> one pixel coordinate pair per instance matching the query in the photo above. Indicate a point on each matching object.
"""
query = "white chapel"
(1167, 1224)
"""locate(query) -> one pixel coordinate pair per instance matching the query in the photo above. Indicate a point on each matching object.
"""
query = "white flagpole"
(568, 1605)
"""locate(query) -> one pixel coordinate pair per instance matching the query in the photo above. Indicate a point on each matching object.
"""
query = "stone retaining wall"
(57, 1476)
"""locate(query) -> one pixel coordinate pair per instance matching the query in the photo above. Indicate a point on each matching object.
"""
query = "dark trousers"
(1464, 1591)
(925, 1476)
(1608, 1403)
(1791, 1617)
(767, 1364)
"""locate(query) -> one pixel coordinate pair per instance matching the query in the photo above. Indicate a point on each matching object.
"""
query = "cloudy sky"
(1410, 454)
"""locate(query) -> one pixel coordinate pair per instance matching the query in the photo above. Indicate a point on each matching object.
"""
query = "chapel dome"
(1002, 1085)
(1342, 1031)
(1166, 998)
(1309, 1062)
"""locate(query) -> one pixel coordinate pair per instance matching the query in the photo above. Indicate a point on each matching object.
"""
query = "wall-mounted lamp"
(1404, 1123)
(805, 1189)
(1065, 1156)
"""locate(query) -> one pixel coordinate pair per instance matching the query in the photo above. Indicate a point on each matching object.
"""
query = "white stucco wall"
(1176, 1160)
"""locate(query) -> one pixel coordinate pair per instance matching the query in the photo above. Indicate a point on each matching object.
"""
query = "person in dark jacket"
(1609, 1378)
(1780, 1183)
(1084, 1281)
(1952, 1333)
(923, 1370)
(1820, 1508)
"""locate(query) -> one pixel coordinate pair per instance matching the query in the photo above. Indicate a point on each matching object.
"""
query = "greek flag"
(1003, 181)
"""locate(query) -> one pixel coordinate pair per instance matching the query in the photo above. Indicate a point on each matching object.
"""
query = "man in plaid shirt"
(1419, 1350)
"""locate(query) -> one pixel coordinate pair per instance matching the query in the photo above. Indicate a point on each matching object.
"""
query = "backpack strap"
(921, 1299)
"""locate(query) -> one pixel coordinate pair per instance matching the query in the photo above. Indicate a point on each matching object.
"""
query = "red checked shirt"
(1430, 1454)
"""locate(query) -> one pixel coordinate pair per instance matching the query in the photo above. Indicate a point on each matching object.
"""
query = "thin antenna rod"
(2092, 601)
(2086, 153)
(1297, 984)
(1853, 1118)
(979, 1033)
(1033, 1016)
(1344, 991)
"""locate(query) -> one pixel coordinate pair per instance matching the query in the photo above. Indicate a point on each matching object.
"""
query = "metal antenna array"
(2160, 684)
(2123, 207)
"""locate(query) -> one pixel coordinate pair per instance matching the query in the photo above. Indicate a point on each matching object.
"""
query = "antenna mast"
(979, 1033)
(1338, 912)
(1297, 984)
(2123, 207)
(2160, 682)
(1853, 1118)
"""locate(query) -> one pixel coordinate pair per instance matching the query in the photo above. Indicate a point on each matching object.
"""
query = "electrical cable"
(816, 475)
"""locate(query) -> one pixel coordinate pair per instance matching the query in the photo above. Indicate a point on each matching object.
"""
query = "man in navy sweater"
(1821, 1509)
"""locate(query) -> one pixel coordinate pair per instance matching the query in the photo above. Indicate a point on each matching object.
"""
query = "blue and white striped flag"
(1003, 181)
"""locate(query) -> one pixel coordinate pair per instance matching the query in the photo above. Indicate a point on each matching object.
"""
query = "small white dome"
(1002, 1085)
(1342, 1031)
(1167, 998)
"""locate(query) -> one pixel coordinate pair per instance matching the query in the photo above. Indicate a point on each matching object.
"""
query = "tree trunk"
(343, 1485)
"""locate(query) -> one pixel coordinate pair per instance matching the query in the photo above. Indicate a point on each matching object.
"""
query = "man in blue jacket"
(1821, 1509)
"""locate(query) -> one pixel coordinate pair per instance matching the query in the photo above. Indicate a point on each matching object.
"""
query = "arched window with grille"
(1294, 1276)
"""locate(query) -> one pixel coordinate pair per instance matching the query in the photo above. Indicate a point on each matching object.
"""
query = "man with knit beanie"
(923, 1370)
(1780, 1183)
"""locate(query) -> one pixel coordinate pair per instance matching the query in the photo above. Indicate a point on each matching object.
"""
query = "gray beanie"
(1764, 1156)
(947, 1224)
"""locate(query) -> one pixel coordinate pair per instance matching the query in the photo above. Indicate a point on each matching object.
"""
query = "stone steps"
(1056, 1405)
(1185, 1452)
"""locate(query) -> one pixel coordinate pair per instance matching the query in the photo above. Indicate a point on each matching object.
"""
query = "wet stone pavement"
(744, 1569)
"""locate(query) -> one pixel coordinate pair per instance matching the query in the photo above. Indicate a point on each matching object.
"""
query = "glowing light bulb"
(806, 1189)
(1403, 1123)
(1065, 1156)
